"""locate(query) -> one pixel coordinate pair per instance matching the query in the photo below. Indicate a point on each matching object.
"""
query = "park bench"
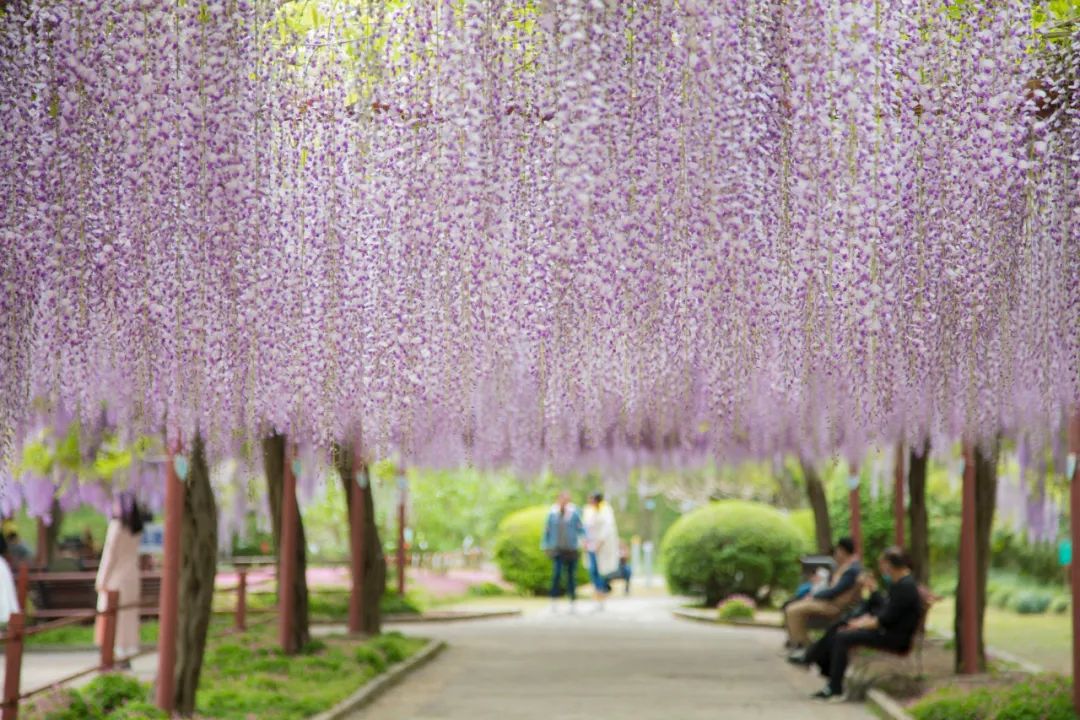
(68, 594)
(867, 669)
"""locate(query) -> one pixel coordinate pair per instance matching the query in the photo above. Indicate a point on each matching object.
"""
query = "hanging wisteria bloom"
(563, 234)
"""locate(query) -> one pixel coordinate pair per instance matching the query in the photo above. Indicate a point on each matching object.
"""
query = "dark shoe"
(826, 694)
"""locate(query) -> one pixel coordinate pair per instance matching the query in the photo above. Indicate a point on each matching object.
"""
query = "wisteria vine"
(529, 233)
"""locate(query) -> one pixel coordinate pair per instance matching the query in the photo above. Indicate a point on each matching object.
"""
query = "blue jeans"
(568, 562)
(599, 582)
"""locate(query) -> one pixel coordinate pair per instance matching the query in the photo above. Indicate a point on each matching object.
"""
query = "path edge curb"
(436, 618)
(884, 703)
(681, 614)
(374, 689)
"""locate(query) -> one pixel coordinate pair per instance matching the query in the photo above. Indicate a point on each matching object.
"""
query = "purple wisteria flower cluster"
(556, 233)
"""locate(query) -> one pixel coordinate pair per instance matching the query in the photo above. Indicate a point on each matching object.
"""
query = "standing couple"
(565, 532)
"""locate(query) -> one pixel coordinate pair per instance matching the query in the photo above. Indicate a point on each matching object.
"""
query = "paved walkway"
(632, 661)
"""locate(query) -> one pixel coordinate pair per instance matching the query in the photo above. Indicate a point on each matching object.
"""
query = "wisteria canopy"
(539, 232)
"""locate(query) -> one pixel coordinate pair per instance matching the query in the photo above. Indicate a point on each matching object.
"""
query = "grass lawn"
(246, 676)
(79, 635)
(1045, 640)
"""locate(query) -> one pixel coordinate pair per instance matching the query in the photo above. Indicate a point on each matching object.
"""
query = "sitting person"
(829, 603)
(813, 581)
(623, 571)
(818, 652)
(891, 627)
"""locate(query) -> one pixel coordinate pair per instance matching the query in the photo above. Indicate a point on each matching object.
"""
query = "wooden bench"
(865, 671)
(67, 594)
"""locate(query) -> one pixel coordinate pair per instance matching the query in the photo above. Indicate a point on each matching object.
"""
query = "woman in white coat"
(119, 570)
(602, 543)
(9, 600)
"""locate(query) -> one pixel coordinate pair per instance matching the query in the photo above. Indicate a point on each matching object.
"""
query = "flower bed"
(245, 676)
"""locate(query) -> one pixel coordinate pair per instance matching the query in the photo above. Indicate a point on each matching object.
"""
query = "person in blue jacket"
(830, 603)
(563, 534)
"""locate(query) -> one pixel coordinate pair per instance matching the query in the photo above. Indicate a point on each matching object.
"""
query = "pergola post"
(403, 489)
(1074, 531)
(898, 495)
(287, 555)
(356, 542)
(855, 508)
(969, 630)
(168, 609)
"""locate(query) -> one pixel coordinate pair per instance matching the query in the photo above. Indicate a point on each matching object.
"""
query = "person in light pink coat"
(119, 570)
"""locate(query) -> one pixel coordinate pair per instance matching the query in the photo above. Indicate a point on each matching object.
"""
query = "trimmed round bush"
(804, 521)
(1030, 602)
(1061, 605)
(732, 547)
(518, 554)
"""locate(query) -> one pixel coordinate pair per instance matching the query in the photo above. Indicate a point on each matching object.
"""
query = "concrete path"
(632, 661)
(42, 668)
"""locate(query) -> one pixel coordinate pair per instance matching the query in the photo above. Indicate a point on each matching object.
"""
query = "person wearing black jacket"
(892, 627)
(829, 603)
(819, 652)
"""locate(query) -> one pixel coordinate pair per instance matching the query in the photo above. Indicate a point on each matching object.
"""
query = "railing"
(14, 638)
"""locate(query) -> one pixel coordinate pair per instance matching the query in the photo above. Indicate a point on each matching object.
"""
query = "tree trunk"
(986, 463)
(815, 493)
(374, 561)
(919, 542)
(274, 465)
(198, 567)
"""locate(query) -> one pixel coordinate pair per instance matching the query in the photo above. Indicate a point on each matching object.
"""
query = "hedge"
(732, 547)
(1045, 697)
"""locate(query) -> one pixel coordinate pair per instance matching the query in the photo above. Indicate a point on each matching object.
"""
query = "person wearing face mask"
(828, 603)
(892, 627)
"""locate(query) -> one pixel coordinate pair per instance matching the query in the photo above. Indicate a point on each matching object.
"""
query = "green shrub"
(486, 589)
(736, 607)
(518, 554)
(74, 708)
(731, 547)
(108, 692)
(394, 604)
(1060, 605)
(367, 655)
(1031, 602)
(139, 710)
(955, 705)
(804, 521)
(1046, 697)
(112, 695)
(393, 646)
(1034, 561)
(876, 518)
